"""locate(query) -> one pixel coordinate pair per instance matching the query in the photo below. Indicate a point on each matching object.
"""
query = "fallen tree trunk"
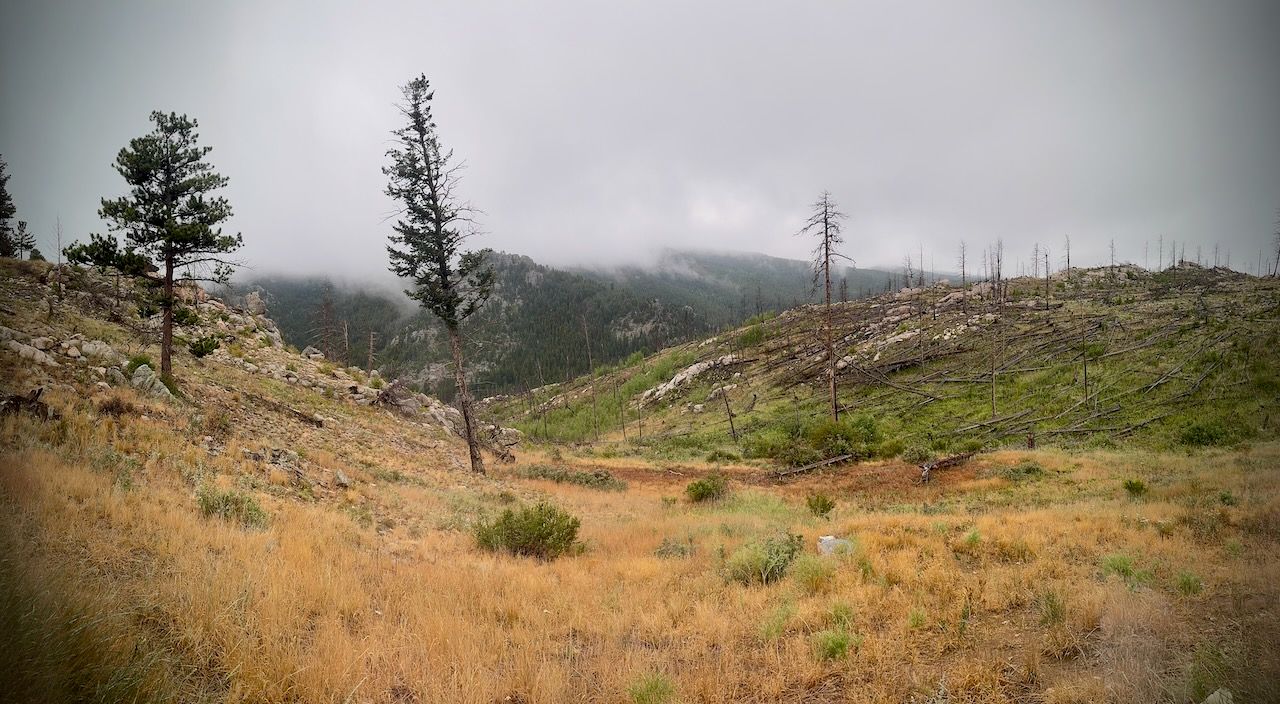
(31, 403)
(812, 466)
(946, 463)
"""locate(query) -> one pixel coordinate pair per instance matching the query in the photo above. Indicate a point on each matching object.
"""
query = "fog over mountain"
(598, 133)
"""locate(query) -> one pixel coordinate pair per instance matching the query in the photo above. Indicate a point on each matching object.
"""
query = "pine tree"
(426, 247)
(104, 253)
(8, 247)
(23, 239)
(168, 214)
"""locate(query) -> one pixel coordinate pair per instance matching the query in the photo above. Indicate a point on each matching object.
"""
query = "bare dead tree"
(1066, 247)
(824, 223)
(591, 365)
(369, 369)
(1275, 268)
(963, 263)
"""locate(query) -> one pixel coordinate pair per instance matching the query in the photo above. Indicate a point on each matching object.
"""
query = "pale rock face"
(42, 343)
(97, 349)
(253, 304)
(147, 381)
(31, 353)
(831, 545)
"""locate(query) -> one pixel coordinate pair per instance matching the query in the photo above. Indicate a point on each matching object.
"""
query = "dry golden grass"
(377, 593)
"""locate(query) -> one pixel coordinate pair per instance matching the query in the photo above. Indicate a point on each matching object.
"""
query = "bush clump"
(671, 548)
(232, 506)
(1205, 434)
(652, 689)
(917, 454)
(763, 561)
(712, 487)
(136, 361)
(185, 316)
(542, 531)
(595, 479)
(820, 504)
(203, 346)
(812, 573)
(795, 439)
(834, 643)
(1136, 488)
(1024, 470)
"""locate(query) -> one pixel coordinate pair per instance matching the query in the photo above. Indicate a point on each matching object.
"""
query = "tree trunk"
(166, 335)
(464, 399)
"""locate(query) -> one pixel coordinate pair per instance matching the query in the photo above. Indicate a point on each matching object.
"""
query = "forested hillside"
(534, 330)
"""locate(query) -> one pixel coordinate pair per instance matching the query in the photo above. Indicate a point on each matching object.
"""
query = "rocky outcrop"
(148, 382)
(31, 353)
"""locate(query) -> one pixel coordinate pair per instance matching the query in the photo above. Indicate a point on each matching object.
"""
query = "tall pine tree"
(8, 247)
(427, 245)
(168, 214)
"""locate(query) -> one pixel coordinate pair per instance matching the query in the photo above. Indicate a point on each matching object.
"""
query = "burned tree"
(824, 225)
(427, 245)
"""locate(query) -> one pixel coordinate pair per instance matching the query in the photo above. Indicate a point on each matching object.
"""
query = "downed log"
(31, 403)
(945, 463)
(812, 466)
(288, 410)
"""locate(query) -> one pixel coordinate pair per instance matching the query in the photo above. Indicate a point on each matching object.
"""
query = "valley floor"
(1020, 577)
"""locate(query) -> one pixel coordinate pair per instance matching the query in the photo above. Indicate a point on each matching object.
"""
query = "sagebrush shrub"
(917, 454)
(812, 573)
(763, 561)
(820, 504)
(232, 506)
(542, 531)
(1136, 487)
(712, 487)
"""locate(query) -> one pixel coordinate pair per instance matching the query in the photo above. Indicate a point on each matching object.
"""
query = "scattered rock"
(97, 349)
(342, 480)
(831, 545)
(147, 381)
(42, 343)
(116, 377)
(1222, 696)
(32, 353)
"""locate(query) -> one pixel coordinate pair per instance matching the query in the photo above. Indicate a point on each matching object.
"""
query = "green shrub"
(1226, 498)
(1124, 567)
(595, 479)
(812, 573)
(917, 454)
(1052, 610)
(762, 561)
(377, 383)
(820, 504)
(916, 619)
(231, 506)
(203, 346)
(1024, 470)
(722, 456)
(542, 531)
(1205, 434)
(834, 643)
(185, 316)
(892, 447)
(712, 487)
(672, 548)
(751, 337)
(775, 624)
(651, 689)
(841, 615)
(1136, 488)
(137, 361)
(1189, 584)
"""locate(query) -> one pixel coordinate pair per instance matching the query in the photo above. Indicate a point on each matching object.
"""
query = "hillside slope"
(271, 534)
(531, 331)
(1184, 356)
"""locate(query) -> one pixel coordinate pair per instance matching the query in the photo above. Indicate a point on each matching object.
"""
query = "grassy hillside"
(1185, 357)
(269, 535)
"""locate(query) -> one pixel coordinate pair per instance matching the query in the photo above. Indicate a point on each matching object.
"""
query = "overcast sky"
(594, 131)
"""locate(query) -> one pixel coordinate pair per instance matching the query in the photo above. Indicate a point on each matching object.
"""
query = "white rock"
(31, 353)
